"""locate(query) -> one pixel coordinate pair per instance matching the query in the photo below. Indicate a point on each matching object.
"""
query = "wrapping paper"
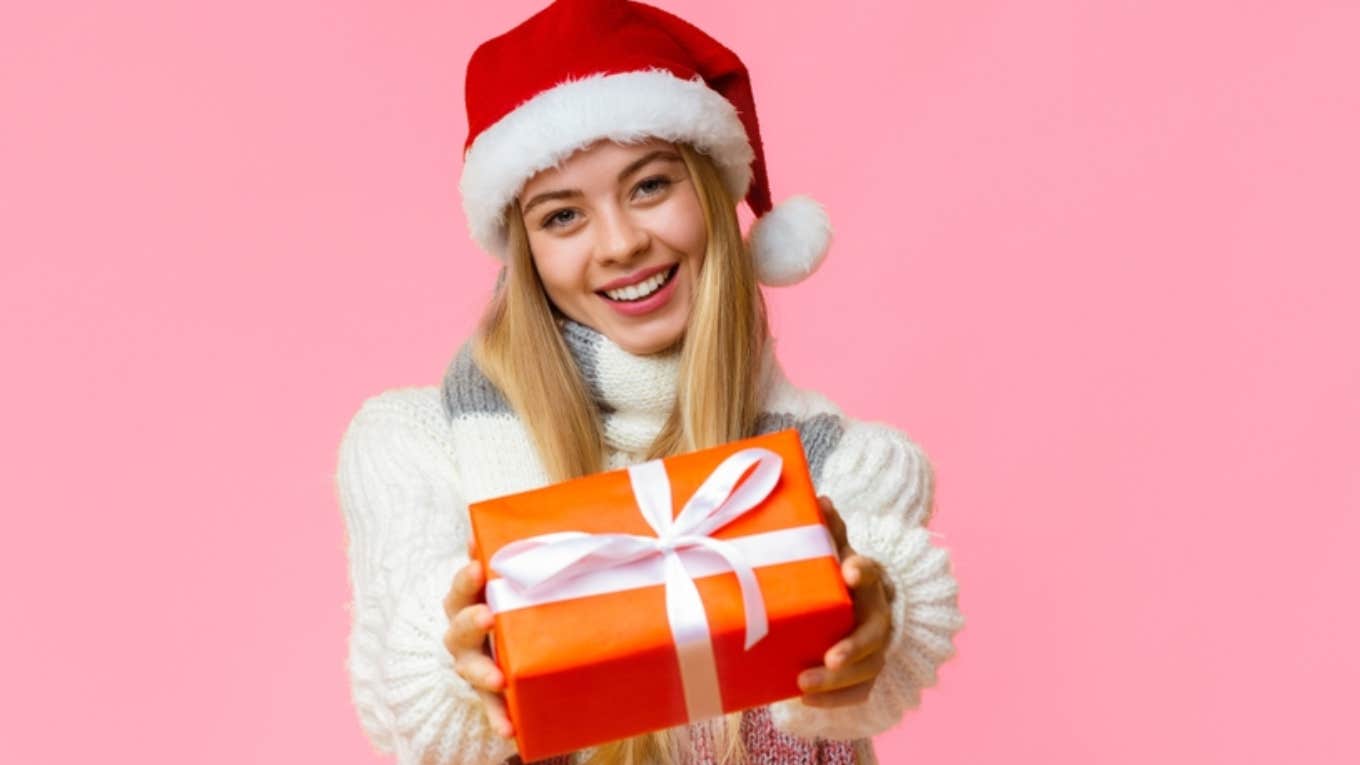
(671, 591)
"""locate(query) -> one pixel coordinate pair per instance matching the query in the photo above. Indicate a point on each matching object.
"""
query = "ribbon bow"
(570, 564)
(539, 564)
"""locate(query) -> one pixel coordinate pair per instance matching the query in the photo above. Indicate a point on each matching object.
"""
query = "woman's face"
(619, 217)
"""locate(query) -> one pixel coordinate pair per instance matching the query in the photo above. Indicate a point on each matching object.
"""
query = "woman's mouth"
(642, 290)
(651, 294)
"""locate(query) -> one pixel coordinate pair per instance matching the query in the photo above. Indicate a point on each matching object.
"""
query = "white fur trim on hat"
(789, 242)
(626, 107)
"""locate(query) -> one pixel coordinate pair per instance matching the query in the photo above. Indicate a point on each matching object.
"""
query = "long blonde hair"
(519, 347)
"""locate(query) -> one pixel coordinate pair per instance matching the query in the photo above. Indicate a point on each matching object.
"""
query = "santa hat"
(583, 70)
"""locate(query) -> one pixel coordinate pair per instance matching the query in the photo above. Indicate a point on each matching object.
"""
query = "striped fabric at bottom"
(765, 745)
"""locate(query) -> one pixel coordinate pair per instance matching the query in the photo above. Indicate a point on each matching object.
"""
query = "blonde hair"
(519, 347)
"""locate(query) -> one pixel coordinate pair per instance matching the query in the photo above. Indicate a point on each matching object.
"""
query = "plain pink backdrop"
(1099, 259)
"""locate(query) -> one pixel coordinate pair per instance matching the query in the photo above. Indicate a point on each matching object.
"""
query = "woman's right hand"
(466, 640)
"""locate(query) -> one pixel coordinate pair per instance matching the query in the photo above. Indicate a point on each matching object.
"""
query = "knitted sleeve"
(882, 485)
(407, 535)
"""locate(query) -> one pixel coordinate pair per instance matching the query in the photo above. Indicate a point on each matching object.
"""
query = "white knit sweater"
(406, 472)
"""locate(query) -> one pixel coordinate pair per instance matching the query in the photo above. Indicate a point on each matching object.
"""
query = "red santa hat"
(583, 70)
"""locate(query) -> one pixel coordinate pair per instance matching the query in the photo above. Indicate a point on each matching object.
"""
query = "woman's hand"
(466, 640)
(852, 665)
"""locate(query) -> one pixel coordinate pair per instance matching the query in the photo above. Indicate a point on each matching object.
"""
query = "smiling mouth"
(642, 290)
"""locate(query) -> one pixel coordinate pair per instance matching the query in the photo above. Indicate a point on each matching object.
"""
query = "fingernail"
(810, 680)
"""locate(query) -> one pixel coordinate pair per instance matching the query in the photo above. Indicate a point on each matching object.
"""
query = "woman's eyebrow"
(633, 167)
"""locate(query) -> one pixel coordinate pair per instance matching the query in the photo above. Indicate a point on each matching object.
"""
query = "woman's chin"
(648, 338)
(647, 345)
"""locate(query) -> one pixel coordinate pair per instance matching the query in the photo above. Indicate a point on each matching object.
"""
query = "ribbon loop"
(652, 490)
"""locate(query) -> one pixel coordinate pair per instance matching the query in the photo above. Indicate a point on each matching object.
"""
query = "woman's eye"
(556, 219)
(648, 188)
(654, 185)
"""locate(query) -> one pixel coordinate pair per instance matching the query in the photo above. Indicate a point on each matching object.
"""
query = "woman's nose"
(620, 237)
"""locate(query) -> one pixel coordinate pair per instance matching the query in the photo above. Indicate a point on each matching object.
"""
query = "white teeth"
(637, 291)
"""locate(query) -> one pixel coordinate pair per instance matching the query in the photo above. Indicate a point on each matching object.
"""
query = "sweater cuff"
(925, 618)
(438, 715)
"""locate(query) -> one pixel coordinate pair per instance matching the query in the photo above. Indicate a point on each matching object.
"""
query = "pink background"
(1098, 259)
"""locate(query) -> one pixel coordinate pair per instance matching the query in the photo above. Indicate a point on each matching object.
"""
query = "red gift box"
(671, 591)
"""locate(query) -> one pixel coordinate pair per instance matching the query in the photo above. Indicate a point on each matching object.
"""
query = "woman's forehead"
(604, 157)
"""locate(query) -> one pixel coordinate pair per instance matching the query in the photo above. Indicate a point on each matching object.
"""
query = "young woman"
(609, 144)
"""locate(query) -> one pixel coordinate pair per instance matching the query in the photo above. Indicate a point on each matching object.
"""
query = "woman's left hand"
(852, 665)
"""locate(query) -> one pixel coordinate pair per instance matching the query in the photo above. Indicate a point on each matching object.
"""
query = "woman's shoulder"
(418, 405)
(782, 399)
(403, 420)
(791, 405)
(840, 447)
(395, 481)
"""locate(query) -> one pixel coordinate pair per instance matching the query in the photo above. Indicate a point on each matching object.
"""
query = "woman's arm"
(407, 536)
(883, 486)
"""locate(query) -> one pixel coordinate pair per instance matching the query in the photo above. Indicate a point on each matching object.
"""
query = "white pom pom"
(790, 241)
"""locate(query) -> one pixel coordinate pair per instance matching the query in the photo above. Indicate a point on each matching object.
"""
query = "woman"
(609, 143)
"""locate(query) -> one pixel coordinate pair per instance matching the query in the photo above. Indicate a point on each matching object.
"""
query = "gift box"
(664, 593)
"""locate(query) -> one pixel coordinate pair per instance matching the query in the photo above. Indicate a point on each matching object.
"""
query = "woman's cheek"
(683, 224)
(545, 261)
(561, 266)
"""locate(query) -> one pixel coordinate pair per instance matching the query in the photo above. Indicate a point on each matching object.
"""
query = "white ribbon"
(571, 564)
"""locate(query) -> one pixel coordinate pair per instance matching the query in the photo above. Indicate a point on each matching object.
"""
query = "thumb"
(835, 524)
